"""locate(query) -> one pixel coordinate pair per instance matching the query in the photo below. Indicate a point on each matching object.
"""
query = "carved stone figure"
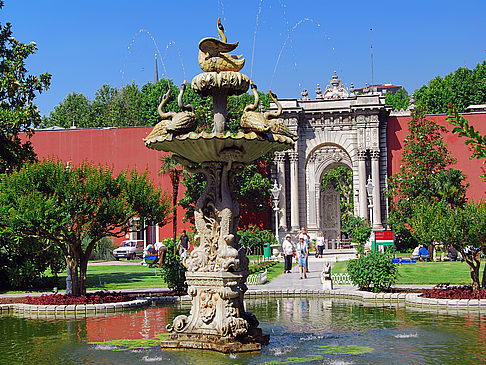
(172, 122)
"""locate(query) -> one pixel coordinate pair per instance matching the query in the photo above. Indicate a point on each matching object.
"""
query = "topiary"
(373, 272)
(172, 271)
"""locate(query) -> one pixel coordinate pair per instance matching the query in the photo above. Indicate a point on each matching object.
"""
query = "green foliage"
(475, 140)
(256, 237)
(24, 261)
(461, 227)
(17, 93)
(399, 101)
(460, 89)
(173, 272)
(422, 175)
(373, 272)
(103, 250)
(68, 206)
(341, 179)
(358, 229)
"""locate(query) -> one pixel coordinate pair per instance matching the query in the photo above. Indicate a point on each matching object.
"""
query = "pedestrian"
(288, 250)
(320, 245)
(302, 253)
(161, 251)
(424, 254)
(303, 234)
(452, 253)
(183, 245)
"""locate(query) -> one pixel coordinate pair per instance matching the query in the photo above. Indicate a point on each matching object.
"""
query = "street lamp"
(275, 194)
(369, 190)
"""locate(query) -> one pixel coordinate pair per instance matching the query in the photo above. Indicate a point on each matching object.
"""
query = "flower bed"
(91, 298)
(445, 291)
(261, 266)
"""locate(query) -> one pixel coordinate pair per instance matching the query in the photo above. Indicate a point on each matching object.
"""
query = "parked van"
(129, 249)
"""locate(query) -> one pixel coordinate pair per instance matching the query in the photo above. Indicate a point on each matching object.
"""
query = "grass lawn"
(120, 277)
(426, 272)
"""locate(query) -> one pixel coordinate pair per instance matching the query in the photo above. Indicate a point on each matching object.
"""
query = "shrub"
(445, 291)
(373, 272)
(103, 250)
(173, 272)
(90, 298)
(256, 237)
(261, 266)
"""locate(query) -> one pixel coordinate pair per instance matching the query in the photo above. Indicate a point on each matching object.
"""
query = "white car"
(129, 249)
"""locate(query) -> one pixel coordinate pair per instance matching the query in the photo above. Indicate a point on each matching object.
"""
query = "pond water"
(314, 330)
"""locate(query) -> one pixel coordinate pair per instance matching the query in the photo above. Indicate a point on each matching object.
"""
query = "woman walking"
(302, 252)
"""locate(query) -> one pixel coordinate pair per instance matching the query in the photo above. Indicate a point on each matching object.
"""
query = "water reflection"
(298, 327)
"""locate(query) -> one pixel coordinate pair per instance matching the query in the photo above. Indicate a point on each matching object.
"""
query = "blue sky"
(85, 44)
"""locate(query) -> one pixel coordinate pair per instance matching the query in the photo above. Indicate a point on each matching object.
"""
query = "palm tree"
(451, 187)
(175, 171)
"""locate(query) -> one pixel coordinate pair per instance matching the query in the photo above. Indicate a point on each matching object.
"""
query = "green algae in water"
(125, 345)
(295, 360)
(345, 350)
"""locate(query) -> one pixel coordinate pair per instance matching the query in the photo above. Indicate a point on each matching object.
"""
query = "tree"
(464, 228)
(475, 140)
(17, 93)
(425, 155)
(74, 110)
(460, 89)
(74, 208)
(175, 171)
(399, 101)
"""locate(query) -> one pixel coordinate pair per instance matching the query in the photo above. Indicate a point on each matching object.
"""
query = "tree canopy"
(462, 88)
(18, 90)
(74, 208)
(423, 174)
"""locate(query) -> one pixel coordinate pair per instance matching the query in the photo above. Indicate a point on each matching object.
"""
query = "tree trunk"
(72, 264)
(83, 268)
(474, 263)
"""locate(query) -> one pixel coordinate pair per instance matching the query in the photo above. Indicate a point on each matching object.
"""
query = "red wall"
(119, 148)
(397, 130)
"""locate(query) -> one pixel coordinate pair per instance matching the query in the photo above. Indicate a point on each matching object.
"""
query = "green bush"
(373, 272)
(256, 237)
(173, 272)
(261, 266)
(103, 250)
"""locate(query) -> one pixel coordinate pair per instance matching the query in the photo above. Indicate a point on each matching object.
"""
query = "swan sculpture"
(251, 120)
(212, 56)
(277, 125)
(173, 122)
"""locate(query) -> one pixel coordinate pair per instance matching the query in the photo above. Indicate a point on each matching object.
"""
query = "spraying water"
(288, 40)
(254, 37)
(130, 45)
(179, 53)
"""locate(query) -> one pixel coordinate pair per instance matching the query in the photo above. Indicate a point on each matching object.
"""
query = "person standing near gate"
(288, 251)
(303, 235)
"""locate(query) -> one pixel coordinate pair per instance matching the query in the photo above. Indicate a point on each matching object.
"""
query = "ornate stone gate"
(337, 128)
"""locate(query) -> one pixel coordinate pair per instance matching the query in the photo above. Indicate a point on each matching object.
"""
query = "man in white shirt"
(288, 251)
(161, 251)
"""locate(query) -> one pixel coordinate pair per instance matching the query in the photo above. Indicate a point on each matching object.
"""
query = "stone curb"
(410, 299)
(78, 309)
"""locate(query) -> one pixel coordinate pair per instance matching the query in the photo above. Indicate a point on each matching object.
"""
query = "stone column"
(363, 199)
(294, 191)
(311, 193)
(280, 162)
(318, 206)
(375, 177)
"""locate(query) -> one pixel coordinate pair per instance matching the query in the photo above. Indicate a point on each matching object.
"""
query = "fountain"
(218, 267)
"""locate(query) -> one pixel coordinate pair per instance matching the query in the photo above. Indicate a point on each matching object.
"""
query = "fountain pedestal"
(217, 268)
(218, 320)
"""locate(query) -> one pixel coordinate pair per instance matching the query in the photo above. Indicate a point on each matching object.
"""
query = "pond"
(310, 330)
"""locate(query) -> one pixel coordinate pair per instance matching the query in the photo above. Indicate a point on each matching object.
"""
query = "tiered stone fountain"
(218, 267)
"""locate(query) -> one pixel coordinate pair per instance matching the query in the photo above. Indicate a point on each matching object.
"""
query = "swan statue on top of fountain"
(175, 122)
(212, 56)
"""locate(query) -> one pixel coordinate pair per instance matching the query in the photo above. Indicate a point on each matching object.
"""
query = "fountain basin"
(227, 82)
(203, 147)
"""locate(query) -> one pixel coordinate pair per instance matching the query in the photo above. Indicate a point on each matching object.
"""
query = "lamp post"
(275, 194)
